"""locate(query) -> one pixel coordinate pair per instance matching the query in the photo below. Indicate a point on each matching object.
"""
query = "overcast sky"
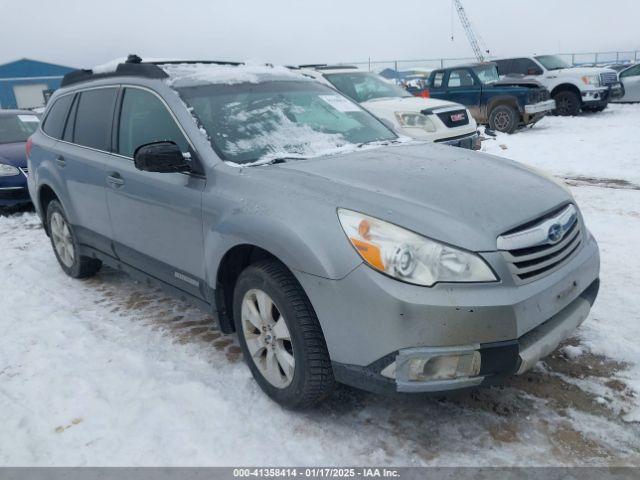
(82, 33)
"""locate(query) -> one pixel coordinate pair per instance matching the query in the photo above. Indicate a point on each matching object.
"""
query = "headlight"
(415, 120)
(8, 170)
(408, 256)
(591, 80)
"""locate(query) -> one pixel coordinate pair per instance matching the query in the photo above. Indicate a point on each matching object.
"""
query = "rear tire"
(65, 244)
(280, 336)
(567, 103)
(504, 118)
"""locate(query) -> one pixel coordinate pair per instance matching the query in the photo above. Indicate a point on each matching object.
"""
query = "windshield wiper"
(378, 142)
(278, 160)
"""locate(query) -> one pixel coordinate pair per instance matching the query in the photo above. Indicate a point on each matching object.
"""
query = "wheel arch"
(233, 262)
(566, 87)
(509, 100)
(45, 195)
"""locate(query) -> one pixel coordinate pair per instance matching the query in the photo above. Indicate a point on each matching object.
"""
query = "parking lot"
(106, 371)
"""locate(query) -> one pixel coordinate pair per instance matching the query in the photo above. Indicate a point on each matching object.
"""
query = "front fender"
(504, 100)
(319, 249)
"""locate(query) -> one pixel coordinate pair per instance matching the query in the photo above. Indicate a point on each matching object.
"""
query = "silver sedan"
(630, 78)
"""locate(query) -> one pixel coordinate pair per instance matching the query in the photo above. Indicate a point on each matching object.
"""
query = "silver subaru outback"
(337, 251)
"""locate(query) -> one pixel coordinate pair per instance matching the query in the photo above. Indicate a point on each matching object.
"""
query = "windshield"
(258, 122)
(363, 86)
(487, 73)
(552, 62)
(17, 128)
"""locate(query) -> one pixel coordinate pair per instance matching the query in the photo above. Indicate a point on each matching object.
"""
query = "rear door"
(631, 80)
(156, 217)
(80, 157)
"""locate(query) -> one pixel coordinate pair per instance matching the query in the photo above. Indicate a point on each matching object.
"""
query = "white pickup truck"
(573, 88)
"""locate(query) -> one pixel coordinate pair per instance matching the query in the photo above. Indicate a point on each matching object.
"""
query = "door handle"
(60, 161)
(115, 180)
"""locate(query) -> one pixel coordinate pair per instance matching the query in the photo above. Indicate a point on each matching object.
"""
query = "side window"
(631, 72)
(67, 136)
(54, 123)
(94, 117)
(460, 78)
(144, 119)
(437, 79)
(504, 67)
(525, 66)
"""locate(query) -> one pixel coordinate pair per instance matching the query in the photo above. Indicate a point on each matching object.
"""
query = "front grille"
(25, 171)
(535, 252)
(454, 118)
(13, 193)
(608, 78)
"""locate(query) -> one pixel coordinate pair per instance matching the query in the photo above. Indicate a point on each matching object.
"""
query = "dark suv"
(504, 105)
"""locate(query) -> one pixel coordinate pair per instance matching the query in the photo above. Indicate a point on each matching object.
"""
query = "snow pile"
(187, 74)
(591, 145)
(572, 352)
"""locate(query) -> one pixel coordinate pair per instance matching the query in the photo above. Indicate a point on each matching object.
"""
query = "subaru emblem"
(555, 233)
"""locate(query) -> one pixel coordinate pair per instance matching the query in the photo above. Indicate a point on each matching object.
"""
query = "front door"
(156, 217)
(462, 87)
(631, 80)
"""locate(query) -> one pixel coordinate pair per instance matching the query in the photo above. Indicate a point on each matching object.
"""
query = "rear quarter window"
(94, 118)
(437, 79)
(56, 118)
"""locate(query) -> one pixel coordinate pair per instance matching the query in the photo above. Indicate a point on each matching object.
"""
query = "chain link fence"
(577, 59)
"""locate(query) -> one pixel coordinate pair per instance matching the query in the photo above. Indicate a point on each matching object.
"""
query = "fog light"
(443, 367)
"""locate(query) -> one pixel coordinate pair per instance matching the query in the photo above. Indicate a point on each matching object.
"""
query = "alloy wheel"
(267, 337)
(62, 239)
(502, 121)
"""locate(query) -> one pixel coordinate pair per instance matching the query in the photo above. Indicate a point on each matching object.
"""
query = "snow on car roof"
(185, 74)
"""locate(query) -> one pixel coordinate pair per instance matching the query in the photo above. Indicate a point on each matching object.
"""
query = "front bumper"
(545, 106)
(13, 190)
(469, 141)
(371, 321)
(596, 98)
(616, 91)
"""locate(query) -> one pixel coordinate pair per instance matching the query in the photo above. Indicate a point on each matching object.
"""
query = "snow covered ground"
(108, 372)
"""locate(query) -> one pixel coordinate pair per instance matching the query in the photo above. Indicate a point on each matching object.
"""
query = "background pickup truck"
(573, 88)
(504, 105)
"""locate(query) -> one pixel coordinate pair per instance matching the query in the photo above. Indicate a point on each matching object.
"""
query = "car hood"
(13, 154)
(449, 194)
(407, 104)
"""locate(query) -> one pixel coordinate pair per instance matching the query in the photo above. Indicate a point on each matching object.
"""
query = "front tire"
(567, 103)
(504, 118)
(65, 244)
(280, 336)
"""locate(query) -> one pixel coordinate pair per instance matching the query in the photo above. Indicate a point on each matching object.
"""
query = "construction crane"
(476, 41)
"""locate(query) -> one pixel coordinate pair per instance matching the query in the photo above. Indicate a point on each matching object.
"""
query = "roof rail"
(206, 62)
(325, 66)
(134, 66)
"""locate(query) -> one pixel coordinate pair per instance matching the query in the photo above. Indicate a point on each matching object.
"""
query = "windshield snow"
(249, 123)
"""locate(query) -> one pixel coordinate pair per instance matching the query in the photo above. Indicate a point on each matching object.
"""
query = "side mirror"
(534, 71)
(161, 157)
